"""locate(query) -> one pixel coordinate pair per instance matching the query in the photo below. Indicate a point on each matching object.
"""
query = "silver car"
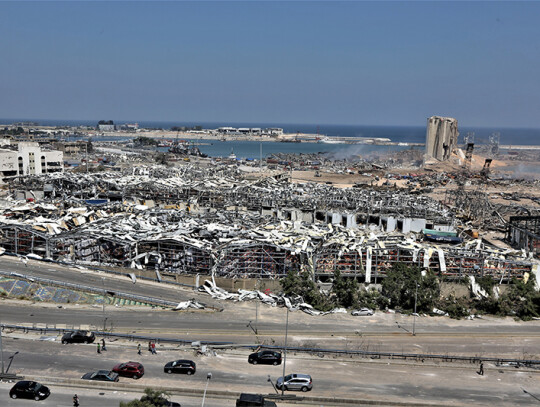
(295, 382)
(362, 312)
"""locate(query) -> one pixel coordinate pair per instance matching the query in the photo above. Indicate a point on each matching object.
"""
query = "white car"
(362, 312)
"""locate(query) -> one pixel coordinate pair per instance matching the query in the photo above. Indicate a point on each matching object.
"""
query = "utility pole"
(104, 298)
(285, 352)
(208, 377)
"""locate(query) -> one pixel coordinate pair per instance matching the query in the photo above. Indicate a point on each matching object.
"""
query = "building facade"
(30, 159)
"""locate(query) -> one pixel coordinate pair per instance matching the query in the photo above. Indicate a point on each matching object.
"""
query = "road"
(354, 378)
(361, 379)
(62, 397)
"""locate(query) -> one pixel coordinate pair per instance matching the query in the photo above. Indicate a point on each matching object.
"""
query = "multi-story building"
(29, 159)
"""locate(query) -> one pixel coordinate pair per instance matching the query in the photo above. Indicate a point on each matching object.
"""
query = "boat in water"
(232, 155)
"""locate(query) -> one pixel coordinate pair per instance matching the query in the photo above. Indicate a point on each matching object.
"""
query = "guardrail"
(130, 337)
(420, 357)
(321, 352)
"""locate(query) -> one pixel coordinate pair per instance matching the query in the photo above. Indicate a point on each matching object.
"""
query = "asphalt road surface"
(62, 397)
(361, 379)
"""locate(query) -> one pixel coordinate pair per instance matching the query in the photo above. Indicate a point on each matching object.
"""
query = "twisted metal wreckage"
(211, 222)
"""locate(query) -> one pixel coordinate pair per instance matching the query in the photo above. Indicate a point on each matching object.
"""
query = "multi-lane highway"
(348, 377)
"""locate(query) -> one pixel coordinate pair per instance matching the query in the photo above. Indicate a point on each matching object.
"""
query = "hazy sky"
(372, 63)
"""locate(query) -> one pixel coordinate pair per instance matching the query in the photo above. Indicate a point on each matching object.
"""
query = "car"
(362, 312)
(265, 357)
(181, 366)
(78, 337)
(295, 382)
(102, 375)
(26, 389)
(253, 400)
(129, 369)
(160, 401)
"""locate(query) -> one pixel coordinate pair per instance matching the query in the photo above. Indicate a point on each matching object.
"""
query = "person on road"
(149, 346)
(139, 348)
(98, 348)
(153, 348)
(481, 371)
(103, 344)
(75, 401)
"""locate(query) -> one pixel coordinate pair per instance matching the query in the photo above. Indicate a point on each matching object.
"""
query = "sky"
(361, 63)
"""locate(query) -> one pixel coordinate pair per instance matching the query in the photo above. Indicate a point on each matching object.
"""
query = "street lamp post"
(104, 298)
(1, 350)
(285, 352)
(414, 315)
(208, 377)
(11, 360)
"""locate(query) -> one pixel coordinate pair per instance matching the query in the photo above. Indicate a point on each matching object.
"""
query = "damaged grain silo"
(441, 137)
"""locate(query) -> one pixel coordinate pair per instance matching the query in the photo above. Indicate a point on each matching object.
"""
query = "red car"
(129, 369)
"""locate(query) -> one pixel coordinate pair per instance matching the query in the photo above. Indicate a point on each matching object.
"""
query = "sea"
(252, 149)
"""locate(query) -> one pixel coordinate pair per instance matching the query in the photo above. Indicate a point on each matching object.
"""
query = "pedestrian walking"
(139, 348)
(481, 371)
(103, 344)
(75, 401)
(149, 346)
(153, 348)
(98, 348)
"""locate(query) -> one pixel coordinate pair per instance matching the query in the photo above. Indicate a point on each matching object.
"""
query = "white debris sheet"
(293, 304)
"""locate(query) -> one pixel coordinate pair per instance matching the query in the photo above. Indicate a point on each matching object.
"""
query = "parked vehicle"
(295, 382)
(129, 369)
(161, 402)
(102, 375)
(253, 400)
(29, 390)
(78, 337)
(362, 312)
(180, 366)
(265, 357)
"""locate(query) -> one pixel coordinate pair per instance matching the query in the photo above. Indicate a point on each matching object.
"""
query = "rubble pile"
(210, 221)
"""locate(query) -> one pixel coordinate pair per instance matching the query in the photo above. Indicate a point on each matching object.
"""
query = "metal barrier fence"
(421, 357)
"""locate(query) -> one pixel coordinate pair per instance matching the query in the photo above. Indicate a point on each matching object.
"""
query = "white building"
(29, 159)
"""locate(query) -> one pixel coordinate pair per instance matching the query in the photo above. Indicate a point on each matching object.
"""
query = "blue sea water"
(252, 149)
(416, 134)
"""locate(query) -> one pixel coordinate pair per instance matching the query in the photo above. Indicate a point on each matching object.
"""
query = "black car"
(253, 400)
(78, 337)
(265, 357)
(102, 375)
(29, 390)
(180, 366)
(161, 401)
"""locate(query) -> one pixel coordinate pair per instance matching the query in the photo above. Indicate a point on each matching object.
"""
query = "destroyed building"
(210, 222)
(441, 137)
(524, 233)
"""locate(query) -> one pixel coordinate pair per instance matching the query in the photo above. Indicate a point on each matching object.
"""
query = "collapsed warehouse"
(210, 222)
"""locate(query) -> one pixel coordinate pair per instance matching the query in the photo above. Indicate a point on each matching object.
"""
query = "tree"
(345, 290)
(151, 398)
(399, 286)
(300, 283)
